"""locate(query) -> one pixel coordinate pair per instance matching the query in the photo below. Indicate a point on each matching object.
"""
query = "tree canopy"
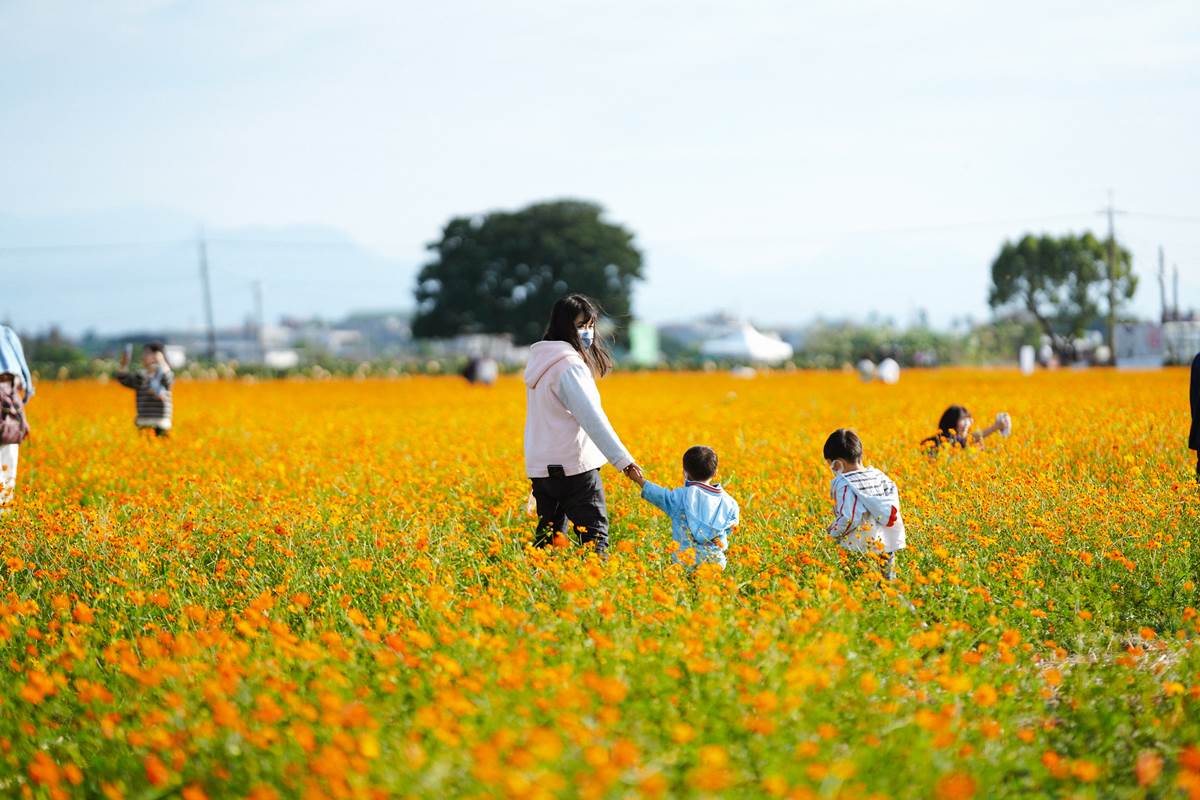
(501, 272)
(1062, 282)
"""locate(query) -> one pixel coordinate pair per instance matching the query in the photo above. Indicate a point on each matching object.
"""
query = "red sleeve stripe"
(850, 524)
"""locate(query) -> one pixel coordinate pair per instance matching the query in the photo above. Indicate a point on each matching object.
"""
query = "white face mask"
(586, 336)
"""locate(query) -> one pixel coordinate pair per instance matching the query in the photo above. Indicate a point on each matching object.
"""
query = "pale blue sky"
(771, 157)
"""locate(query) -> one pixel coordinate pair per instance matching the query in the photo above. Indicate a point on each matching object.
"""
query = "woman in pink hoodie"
(567, 434)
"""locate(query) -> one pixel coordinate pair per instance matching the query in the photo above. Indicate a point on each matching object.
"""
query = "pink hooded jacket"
(564, 421)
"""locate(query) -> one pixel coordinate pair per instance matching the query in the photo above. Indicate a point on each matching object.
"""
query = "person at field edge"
(702, 514)
(152, 384)
(16, 388)
(866, 503)
(567, 434)
(954, 429)
(1194, 438)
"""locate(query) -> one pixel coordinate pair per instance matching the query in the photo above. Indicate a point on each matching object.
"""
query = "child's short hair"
(700, 462)
(153, 347)
(844, 444)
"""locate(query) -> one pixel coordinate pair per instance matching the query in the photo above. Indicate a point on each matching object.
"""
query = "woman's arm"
(132, 380)
(162, 381)
(577, 390)
(996, 427)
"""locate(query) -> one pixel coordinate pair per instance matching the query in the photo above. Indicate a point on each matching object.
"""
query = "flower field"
(324, 589)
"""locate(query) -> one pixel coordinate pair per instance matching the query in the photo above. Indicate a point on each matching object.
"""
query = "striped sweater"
(153, 395)
(866, 507)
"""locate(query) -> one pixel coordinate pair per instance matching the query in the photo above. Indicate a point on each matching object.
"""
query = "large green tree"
(501, 273)
(1062, 282)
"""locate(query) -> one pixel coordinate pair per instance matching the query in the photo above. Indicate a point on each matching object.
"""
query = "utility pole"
(1162, 284)
(208, 311)
(1112, 279)
(258, 321)
(1175, 304)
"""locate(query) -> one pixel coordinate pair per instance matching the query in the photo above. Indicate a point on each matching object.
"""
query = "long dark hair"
(950, 419)
(947, 430)
(561, 328)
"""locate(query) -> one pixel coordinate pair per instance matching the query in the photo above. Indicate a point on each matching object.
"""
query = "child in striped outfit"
(866, 503)
(153, 386)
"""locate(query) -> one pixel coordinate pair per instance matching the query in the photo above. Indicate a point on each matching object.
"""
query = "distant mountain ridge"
(114, 271)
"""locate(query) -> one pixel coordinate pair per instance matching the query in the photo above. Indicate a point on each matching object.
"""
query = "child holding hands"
(702, 514)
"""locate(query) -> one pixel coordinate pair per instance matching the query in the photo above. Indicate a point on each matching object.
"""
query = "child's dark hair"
(700, 462)
(561, 328)
(844, 444)
(951, 417)
(153, 347)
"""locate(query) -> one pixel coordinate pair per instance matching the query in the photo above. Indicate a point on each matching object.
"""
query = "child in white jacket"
(866, 503)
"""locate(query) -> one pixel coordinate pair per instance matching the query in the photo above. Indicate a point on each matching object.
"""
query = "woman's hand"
(1004, 423)
(634, 473)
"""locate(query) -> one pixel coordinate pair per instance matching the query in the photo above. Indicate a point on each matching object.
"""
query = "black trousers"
(579, 498)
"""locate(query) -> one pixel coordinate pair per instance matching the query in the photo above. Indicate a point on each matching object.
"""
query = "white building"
(1181, 341)
(748, 345)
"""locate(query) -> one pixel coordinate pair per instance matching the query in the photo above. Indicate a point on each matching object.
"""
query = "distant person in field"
(568, 437)
(866, 503)
(481, 371)
(954, 430)
(16, 388)
(152, 384)
(702, 514)
(1194, 439)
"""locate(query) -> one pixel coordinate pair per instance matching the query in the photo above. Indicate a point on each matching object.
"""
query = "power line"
(72, 287)
(972, 224)
(284, 243)
(1167, 217)
(345, 244)
(34, 248)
